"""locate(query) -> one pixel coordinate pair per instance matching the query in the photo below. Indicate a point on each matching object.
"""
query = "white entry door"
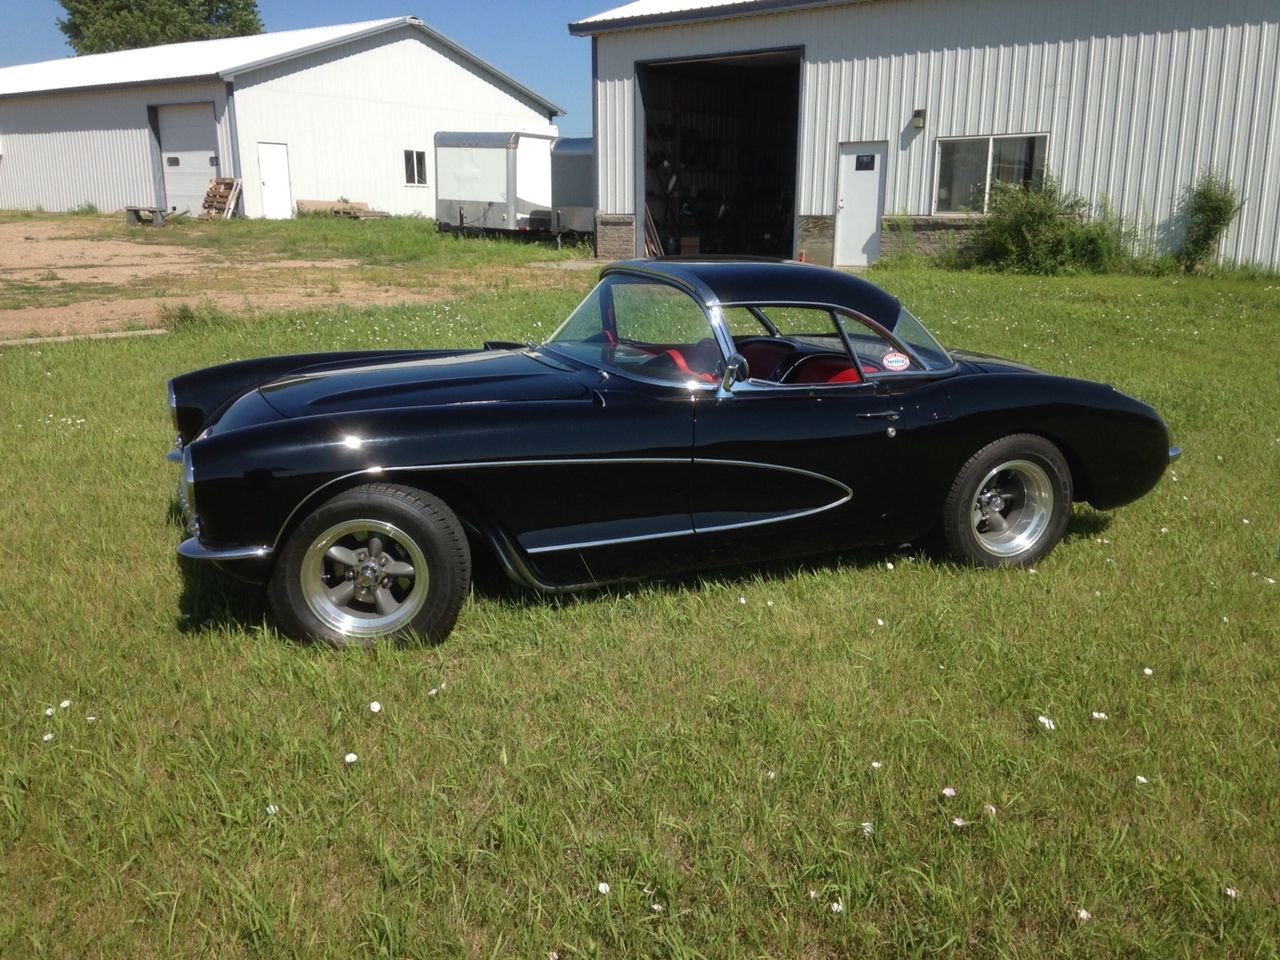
(860, 202)
(188, 153)
(273, 172)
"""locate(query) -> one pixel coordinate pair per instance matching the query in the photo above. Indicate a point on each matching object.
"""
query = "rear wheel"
(1010, 503)
(378, 561)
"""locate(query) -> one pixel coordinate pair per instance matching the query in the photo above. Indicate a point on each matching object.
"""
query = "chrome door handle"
(886, 414)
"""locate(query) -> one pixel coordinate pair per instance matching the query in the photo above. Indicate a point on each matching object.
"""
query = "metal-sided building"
(324, 113)
(829, 127)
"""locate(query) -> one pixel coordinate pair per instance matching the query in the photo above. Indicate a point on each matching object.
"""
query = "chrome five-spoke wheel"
(364, 577)
(1009, 504)
(378, 561)
(1012, 508)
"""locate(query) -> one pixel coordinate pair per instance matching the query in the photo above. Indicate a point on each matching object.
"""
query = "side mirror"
(735, 370)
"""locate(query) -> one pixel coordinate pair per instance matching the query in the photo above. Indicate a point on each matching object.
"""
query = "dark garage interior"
(720, 154)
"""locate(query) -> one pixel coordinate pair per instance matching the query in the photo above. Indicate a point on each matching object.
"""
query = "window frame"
(990, 138)
(415, 164)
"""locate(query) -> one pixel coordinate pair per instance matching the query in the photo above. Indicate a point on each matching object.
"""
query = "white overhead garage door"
(188, 153)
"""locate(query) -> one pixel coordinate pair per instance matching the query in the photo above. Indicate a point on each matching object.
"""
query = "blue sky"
(528, 39)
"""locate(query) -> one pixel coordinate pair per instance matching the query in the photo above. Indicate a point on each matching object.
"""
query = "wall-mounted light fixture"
(917, 118)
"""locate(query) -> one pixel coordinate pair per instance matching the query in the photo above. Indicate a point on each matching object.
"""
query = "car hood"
(489, 376)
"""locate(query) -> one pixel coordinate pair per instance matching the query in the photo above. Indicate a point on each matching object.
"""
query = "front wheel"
(1010, 503)
(378, 561)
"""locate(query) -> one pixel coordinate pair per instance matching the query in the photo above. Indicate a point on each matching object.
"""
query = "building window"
(967, 168)
(415, 166)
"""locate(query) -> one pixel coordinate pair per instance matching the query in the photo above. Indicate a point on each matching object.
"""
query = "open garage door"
(720, 153)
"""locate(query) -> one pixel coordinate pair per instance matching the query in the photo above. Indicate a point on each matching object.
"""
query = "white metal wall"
(1137, 98)
(61, 151)
(348, 115)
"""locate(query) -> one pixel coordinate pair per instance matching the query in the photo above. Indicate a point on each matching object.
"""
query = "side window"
(741, 322)
(816, 351)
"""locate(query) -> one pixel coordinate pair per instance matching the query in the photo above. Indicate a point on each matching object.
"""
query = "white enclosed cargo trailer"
(494, 181)
(573, 185)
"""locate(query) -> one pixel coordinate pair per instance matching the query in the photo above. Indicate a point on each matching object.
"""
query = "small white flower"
(656, 907)
(443, 684)
(1046, 722)
(1231, 892)
(1083, 915)
(48, 711)
(769, 603)
(1164, 529)
(1269, 579)
(1245, 521)
(1033, 571)
(64, 704)
(990, 810)
(375, 706)
(1225, 620)
(1147, 671)
(948, 791)
(350, 758)
(432, 692)
(602, 887)
(868, 828)
(772, 775)
(1099, 715)
(272, 809)
(91, 718)
(879, 622)
(888, 566)
(742, 599)
(47, 737)
(1142, 779)
(813, 894)
(837, 906)
(876, 764)
(959, 822)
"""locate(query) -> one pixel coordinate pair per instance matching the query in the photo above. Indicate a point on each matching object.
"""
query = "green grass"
(703, 744)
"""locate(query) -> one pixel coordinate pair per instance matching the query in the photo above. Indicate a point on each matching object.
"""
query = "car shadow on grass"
(213, 600)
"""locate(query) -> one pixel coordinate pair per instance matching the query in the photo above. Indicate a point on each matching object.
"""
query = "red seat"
(823, 368)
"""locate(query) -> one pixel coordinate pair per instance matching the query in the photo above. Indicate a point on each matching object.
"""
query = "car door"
(822, 452)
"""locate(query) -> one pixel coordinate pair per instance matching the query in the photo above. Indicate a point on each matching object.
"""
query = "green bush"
(1045, 230)
(1208, 208)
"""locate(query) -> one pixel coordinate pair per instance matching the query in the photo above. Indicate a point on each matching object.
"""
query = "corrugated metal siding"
(1137, 99)
(349, 114)
(63, 150)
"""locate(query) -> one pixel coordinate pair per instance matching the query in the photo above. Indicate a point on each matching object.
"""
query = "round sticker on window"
(895, 361)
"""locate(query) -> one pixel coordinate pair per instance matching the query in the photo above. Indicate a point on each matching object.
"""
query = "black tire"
(1010, 503)
(377, 562)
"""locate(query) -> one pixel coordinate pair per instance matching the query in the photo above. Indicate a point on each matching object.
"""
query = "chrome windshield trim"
(193, 549)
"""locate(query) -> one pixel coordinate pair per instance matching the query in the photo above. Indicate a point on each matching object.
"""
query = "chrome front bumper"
(193, 549)
(1174, 454)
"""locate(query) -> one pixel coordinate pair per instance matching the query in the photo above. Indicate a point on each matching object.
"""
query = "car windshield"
(642, 326)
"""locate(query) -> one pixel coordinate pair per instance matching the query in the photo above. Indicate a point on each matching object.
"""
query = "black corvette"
(687, 413)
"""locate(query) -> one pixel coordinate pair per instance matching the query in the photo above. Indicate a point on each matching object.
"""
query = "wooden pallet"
(220, 200)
